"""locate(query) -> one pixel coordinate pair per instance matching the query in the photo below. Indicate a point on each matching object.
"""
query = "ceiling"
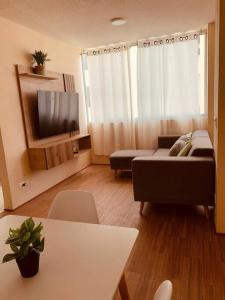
(85, 23)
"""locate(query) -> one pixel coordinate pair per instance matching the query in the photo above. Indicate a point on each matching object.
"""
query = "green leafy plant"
(24, 239)
(40, 57)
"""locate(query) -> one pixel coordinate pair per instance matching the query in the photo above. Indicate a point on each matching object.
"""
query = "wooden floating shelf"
(50, 155)
(33, 75)
(83, 137)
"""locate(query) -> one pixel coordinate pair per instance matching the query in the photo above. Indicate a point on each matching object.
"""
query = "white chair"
(73, 205)
(164, 291)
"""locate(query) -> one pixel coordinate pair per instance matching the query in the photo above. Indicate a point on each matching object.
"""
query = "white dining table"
(80, 261)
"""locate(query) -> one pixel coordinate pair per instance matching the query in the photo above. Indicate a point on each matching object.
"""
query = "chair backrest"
(73, 205)
(164, 291)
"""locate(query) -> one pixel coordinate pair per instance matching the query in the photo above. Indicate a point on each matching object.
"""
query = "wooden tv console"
(46, 156)
(48, 152)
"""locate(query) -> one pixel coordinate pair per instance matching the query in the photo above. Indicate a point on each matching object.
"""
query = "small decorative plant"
(40, 58)
(26, 244)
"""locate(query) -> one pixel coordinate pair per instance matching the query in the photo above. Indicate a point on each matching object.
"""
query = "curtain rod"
(152, 41)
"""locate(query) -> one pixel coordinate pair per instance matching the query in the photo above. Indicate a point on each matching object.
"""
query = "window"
(135, 93)
(171, 109)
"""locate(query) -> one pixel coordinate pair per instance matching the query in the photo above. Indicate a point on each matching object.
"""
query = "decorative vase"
(40, 70)
(29, 265)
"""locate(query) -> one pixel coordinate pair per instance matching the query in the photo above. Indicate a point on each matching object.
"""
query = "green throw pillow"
(184, 151)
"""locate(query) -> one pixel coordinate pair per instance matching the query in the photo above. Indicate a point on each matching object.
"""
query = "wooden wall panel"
(69, 83)
(37, 159)
(211, 71)
(48, 152)
(28, 87)
(220, 113)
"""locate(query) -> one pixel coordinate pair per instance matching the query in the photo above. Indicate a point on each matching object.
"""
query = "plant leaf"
(14, 248)
(26, 236)
(25, 249)
(29, 223)
(41, 245)
(8, 257)
(38, 228)
(40, 57)
(12, 240)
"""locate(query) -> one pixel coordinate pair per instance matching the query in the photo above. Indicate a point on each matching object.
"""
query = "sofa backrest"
(201, 144)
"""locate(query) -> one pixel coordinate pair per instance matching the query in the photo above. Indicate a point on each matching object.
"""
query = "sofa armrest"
(167, 141)
(184, 180)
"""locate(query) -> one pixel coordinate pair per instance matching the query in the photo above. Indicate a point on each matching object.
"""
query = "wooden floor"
(175, 242)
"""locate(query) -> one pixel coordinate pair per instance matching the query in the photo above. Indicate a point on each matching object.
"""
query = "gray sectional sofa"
(161, 178)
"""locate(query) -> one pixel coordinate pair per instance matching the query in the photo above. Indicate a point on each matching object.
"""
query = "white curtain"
(134, 96)
(168, 91)
(110, 107)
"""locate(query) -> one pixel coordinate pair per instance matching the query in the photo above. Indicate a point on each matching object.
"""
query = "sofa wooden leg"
(142, 204)
(206, 210)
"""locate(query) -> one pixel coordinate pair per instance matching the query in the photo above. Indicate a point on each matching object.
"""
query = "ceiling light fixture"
(118, 21)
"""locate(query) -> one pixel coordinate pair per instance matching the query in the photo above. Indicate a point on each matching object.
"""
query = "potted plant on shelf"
(26, 244)
(40, 58)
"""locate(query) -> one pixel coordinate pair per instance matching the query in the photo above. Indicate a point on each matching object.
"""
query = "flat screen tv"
(58, 112)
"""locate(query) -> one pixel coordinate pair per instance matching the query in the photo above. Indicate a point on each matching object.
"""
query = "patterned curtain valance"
(169, 39)
(154, 41)
(109, 49)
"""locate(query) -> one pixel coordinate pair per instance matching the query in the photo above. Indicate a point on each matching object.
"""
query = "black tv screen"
(58, 113)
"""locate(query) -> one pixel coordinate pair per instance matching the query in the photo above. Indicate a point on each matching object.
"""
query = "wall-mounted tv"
(58, 112)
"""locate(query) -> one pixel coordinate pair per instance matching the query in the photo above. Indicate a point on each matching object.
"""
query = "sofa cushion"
(167, 141)
(180, 144)
(131, 153)
(121, 159)
(176, 148)
(162, 152)
(201, 147)
(201, 144)
(184, 151)
(200, 133)
(186, 137)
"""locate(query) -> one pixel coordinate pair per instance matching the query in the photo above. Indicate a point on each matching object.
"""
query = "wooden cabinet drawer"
(50, 156)
(59, 154)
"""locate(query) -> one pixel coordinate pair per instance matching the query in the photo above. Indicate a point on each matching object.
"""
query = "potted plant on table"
(26, 244)
(40, 58)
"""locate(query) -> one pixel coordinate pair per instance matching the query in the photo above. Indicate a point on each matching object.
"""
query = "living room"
(136, 154)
